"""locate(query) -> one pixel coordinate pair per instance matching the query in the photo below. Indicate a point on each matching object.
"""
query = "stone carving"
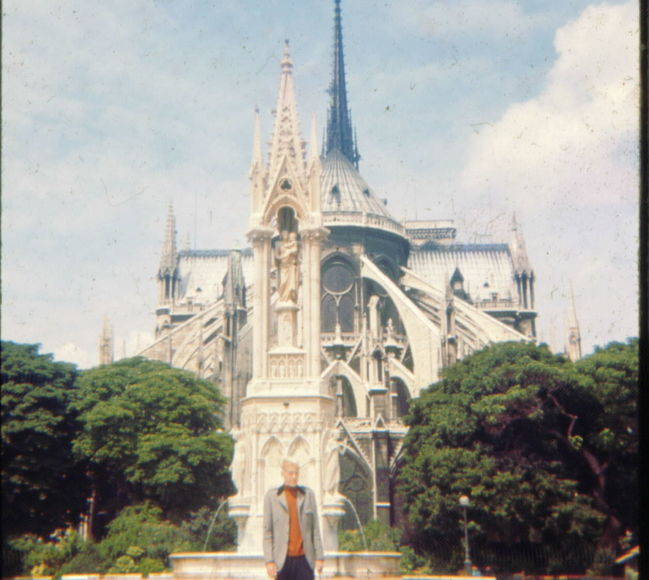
(289, 366)
(239, 463)
(332, 466)
(285, 422)
(288, 263)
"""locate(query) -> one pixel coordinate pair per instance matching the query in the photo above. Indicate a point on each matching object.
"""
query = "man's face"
(291, 474)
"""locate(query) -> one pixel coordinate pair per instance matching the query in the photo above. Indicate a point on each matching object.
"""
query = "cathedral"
(334, 297)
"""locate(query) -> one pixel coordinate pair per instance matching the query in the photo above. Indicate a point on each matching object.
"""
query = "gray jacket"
(276, 526)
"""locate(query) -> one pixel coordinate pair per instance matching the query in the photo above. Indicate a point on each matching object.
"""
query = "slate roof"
(486, 268)
(348, 200)
(204, 270)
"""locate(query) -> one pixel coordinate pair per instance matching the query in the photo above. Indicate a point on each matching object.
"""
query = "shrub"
(376, 536)
(210, 533)
(45, 557)
(139, 537)
(87, 561)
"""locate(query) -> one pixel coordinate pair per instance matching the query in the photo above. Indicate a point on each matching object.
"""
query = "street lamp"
(464, 502)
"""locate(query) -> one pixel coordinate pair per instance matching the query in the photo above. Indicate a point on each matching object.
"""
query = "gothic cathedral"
(337, 315)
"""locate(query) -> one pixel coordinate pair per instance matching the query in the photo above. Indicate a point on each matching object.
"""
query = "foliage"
(44, 557)
(152, 432)
(211, 531)
(86, 561)
(413, 563)
(42, 487)
(537, 443)
(377, 536)
(140, 538)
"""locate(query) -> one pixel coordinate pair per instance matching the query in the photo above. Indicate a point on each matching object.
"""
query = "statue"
(288, 260)
(239, 466)
(332, 467)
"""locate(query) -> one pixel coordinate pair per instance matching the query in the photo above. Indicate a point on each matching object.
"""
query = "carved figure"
(288, 260)
(239, 463)
(332, 467)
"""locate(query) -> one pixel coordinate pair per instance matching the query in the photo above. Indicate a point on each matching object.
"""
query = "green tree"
(152, 432)
(523, 433)
(42, 486)
(610, 448)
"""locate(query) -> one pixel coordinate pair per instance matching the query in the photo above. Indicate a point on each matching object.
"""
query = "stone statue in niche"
(332, 466)
(239, 464)
(288, 265)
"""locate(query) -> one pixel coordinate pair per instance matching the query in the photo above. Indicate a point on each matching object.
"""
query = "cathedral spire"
(106, 346)
(573, 348)
(339, 126)
(169, 249)
(168, 277)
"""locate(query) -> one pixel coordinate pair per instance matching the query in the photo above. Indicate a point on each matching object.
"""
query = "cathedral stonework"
(337, 315)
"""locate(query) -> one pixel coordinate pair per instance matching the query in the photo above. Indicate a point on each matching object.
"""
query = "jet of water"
(209, 530)
(358, 520)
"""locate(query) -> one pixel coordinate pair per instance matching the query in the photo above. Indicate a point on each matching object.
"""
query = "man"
(292, 542)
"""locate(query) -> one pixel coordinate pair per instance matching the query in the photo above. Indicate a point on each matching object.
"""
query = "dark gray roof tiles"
(348, 200)
(487, 269)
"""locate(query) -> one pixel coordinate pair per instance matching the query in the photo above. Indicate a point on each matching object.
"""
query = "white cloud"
(73, 353)
(576, 141)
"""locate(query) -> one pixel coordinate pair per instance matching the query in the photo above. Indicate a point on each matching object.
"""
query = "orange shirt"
(295, 544)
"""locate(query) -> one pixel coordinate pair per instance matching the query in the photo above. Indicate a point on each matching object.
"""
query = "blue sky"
(467, 109)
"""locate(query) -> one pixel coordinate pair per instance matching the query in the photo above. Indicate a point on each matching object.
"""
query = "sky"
(470, 110)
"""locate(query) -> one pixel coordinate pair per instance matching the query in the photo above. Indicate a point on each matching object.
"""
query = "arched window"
(338, 301)
(356, 486)
(400, 397)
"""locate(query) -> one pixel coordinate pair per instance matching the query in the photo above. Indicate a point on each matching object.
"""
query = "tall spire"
(573, 348)
(286, 141)
(106, 347)
(169, 248)
(339, 126)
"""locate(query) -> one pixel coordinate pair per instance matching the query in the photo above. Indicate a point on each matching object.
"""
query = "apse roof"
(487, 269)
(348, 200)
(202, 273)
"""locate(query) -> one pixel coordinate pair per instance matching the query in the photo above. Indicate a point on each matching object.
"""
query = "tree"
(42, 486)
(527, 436)
(152, 432)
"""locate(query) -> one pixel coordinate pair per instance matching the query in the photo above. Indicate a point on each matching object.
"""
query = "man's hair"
(288, 461)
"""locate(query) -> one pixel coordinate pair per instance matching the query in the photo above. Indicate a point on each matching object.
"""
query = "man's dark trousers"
(295, 568)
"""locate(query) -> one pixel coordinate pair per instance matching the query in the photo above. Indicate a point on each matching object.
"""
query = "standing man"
(292, 542)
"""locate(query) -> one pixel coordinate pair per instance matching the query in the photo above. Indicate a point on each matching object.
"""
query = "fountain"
(358, 520)
(288, 409)
(209, 530)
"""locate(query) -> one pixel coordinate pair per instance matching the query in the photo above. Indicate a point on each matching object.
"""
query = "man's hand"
(271, 569)
(319, 565)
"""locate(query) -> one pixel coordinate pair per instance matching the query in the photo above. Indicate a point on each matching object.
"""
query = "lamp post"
(464, 502)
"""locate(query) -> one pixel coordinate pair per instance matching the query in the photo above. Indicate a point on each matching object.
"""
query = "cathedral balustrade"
(362, 219)
(346, 338)
(505, 304)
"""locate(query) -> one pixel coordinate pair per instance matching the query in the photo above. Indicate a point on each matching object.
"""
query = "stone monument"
(288, 410)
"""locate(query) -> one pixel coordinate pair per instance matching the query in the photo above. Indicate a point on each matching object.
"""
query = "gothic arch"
(281, 201)
(300, 451)
(269, 464)
(356, 485)
(400, 397)
(358, 389)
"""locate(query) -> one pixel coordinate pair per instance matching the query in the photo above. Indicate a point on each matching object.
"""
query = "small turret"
(106, 344)
(573, 348)
(523, 273)
(168, 275)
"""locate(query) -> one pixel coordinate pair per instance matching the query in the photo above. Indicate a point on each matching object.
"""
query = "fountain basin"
(214, 565)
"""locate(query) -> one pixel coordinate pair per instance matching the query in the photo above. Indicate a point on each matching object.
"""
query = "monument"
(289, 410)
